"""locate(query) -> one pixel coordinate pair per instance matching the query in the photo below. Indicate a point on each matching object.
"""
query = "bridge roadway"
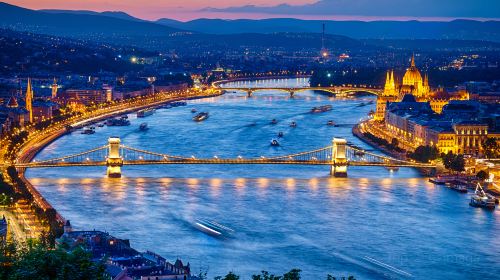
(335, 90)
(220, 162)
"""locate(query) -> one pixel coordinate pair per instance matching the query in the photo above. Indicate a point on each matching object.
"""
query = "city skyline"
(362, 10)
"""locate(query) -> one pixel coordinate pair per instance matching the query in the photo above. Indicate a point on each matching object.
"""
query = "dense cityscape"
(275, 148)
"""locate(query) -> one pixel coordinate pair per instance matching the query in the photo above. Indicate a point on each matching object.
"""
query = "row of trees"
(39, 260)
(293, 274)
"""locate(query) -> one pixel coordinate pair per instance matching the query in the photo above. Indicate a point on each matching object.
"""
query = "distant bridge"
(115, 155)
(338, 91)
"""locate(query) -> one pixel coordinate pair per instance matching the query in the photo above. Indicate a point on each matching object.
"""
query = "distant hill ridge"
(77, 23)
(117, 23)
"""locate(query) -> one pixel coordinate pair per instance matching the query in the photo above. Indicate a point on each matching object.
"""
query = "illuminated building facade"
(413, 83)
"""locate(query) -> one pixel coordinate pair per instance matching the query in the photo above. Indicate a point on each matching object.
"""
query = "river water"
(376, 224)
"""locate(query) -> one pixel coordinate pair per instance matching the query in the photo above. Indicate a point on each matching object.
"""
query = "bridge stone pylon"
(114, 161)
(338, 168)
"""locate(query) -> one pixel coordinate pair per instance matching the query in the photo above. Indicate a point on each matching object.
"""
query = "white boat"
(200, 117)
(88, 130)
(146, 112)
(275, 143)
(213, 228)
(481, 199)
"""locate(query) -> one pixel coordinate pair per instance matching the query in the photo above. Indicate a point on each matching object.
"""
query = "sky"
(305, 9)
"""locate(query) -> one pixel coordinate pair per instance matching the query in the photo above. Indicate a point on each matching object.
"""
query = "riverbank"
(40, 139)
(356, 131)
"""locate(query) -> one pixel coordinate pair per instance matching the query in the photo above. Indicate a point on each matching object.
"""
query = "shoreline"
(28, 154)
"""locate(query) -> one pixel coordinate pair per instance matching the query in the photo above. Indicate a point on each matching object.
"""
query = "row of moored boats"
(478, 199)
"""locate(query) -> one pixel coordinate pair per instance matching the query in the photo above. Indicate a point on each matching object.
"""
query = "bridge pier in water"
(338, 168)
(114, 162)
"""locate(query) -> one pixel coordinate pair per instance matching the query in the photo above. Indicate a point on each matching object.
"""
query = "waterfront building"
(13, 115)
(86, 96)
(122, 261)
(29, 100)
(461, 127)
(413, 83)
(54, 89)
(3, 230)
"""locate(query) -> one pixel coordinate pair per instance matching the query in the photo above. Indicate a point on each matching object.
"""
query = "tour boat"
(437, 181)
(193, 110)
(275, 143)
(213, 228)
(200, 117)
(480, 199)
(146, 112)
(143, 127)
(88, 130)
(274, 121)
(280, 134)
(457, 186)
(117, 122)
(178, 103)
(293, 124)
(321, 109)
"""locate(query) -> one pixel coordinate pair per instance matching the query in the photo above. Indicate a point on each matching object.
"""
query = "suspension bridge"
(339, 155)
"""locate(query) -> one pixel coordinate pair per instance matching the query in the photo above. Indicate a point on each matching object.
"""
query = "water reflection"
(284, 216)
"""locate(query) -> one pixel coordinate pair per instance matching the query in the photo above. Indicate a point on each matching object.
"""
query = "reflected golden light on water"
(290, 184)
(386, 183)
(165, 182)
(313, 184)
(240, 184)
(263, 182)
(215, 184)
(140, 184)
(193, 183)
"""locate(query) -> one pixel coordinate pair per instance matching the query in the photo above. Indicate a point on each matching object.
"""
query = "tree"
(491, 148)
(395, 142)
(482, 175)
(448, 159)
(265, 276)
(36, 261)
(229, 276)
(425, 153)
(458, 163)
(293, 274)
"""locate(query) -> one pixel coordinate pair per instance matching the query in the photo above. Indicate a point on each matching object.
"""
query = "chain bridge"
(339, 155)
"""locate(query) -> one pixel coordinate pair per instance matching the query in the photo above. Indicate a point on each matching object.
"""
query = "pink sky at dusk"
(154, 9)
(365, 10)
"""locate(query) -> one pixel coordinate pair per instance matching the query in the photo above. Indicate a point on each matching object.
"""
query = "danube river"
(376, 224)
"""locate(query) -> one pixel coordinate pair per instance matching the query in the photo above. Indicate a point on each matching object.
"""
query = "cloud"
(410, 8)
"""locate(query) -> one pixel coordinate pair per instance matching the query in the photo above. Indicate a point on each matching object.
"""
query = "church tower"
(29, 100)
(54, 89)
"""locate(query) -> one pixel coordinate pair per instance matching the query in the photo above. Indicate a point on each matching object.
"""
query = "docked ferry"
(321, 109)
(481, 199)
(200, 117)
(146, 112)
(117, 122)
(88, 130)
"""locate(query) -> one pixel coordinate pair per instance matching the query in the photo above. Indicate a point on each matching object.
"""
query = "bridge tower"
(339, 158)
(114, 162)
